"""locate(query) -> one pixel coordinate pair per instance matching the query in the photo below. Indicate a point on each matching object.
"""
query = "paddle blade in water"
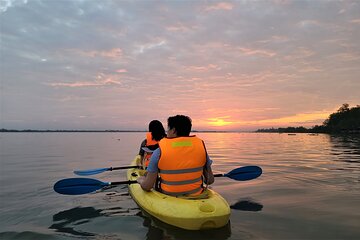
(244, 173)
(77, 186)
(91, 171)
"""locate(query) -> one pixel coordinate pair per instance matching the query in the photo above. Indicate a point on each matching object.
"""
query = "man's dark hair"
(182, 125)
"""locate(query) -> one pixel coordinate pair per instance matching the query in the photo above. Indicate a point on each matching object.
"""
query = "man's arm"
(147, 182)
(208, 174)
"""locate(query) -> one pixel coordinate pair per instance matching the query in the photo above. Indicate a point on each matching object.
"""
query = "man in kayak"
(155, 134)
(181, 162)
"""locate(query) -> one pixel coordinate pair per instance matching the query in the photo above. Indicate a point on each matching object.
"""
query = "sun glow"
(233, 123)
(219, 122)
(299, 118)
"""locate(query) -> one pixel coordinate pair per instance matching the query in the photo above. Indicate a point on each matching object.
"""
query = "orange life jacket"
(181, 165)
(150, 142)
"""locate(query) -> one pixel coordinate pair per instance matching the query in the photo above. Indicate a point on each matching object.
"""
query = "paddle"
(78, 186)
(100, 170)
(242, 173)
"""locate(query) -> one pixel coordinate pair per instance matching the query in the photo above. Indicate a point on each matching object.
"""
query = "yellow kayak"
(192, 214)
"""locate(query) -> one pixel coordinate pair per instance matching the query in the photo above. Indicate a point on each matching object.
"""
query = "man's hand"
(147, 182)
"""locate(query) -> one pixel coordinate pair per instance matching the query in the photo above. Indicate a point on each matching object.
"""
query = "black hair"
(181, 123)
(157, 130)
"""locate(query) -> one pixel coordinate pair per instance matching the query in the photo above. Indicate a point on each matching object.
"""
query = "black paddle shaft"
(123, 182)
(219, 175)
(125, 167)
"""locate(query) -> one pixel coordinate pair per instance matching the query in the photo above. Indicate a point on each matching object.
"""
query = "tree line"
(345, 120)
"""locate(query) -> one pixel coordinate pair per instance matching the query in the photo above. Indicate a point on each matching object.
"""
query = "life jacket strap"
(179, 171)
(181, 182)
(182, 193)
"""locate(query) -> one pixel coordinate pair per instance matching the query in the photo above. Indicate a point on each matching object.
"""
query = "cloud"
(203, 68)
(70, 98)
(299, 53)
(220, 6)
(308, 23)
(112, 53)
(249, 52)
(342, 11)
(180, 27)
(101, 81)
(275, 39)
(153, 45)
(346, 57)
(308, 69)
(6, 4)
(356, 21)
(121, 71)
(301, 118)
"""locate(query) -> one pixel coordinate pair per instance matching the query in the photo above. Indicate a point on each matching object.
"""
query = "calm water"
(310, 188)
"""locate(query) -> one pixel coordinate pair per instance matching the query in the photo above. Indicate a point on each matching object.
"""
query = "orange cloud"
(121, 71)
(230, 122)
(308, 69)
(220, 6)
(179, 27)
(203, 68)
(112, 53)
(299, 53)
(346, 57)
(356, 21)
(298, 118)
(249, 51)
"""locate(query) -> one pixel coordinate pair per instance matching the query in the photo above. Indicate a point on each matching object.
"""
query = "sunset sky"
(231, 65)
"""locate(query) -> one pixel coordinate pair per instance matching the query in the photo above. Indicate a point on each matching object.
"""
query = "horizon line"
(108, 130)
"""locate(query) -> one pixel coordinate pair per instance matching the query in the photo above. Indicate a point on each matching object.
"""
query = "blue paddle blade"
(77, 186)
(91, 171)
(244, 173)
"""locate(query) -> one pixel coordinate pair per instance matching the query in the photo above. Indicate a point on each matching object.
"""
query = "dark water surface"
(310, 188)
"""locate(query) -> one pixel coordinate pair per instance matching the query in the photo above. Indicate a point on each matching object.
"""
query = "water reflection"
(65, 221)
(160, 230)
(247, 205)
(346, 148)
(75, 216)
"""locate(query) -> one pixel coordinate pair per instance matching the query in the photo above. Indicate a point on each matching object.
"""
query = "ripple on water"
(28, 235)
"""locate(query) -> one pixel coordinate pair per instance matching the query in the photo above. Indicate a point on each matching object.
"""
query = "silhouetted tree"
(345, 120)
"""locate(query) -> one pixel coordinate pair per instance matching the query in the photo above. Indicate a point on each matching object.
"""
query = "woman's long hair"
(157, 130)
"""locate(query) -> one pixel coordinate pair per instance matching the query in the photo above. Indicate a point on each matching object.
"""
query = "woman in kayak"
(155, 134)
(181, 161)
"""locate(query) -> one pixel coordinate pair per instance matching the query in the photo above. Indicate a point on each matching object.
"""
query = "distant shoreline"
(44, 131)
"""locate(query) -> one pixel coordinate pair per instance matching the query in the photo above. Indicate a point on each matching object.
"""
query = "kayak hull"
(190, 214)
